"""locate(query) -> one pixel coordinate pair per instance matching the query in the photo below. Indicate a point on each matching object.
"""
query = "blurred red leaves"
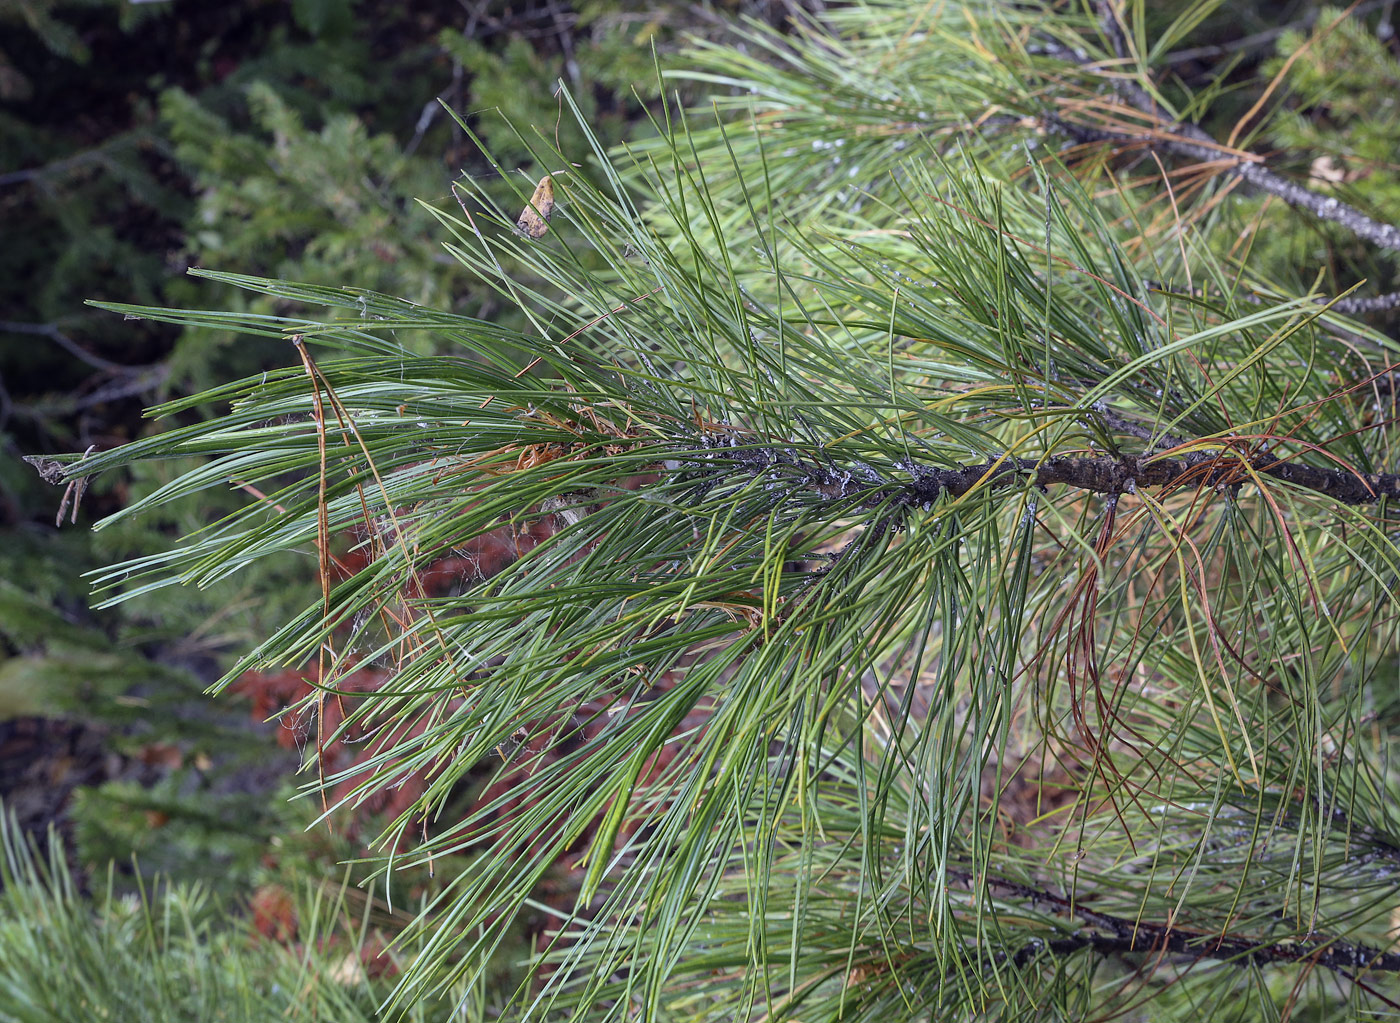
(272, 694)
(274, 918)
(274, 913)
(546, 740)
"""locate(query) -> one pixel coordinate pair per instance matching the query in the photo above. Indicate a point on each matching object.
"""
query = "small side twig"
(58, 337)
(1159, 441)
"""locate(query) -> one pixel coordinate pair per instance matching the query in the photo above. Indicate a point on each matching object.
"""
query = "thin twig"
(63, 341)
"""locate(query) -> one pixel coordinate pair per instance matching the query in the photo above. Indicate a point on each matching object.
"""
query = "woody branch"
(1123, 473)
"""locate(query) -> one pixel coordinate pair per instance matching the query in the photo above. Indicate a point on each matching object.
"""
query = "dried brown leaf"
(534, 219)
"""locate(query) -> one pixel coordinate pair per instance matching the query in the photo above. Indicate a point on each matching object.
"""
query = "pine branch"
(1120, 474)
(1340, 821)
(1352, 305)
(714, 698)
(1125, 936)
(1363, 306)
(1156, 939)
(1182, 138)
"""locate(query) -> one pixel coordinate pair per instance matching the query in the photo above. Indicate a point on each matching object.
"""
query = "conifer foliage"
(946, 580)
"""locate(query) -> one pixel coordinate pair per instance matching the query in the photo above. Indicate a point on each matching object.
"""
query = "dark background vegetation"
(292, 140)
